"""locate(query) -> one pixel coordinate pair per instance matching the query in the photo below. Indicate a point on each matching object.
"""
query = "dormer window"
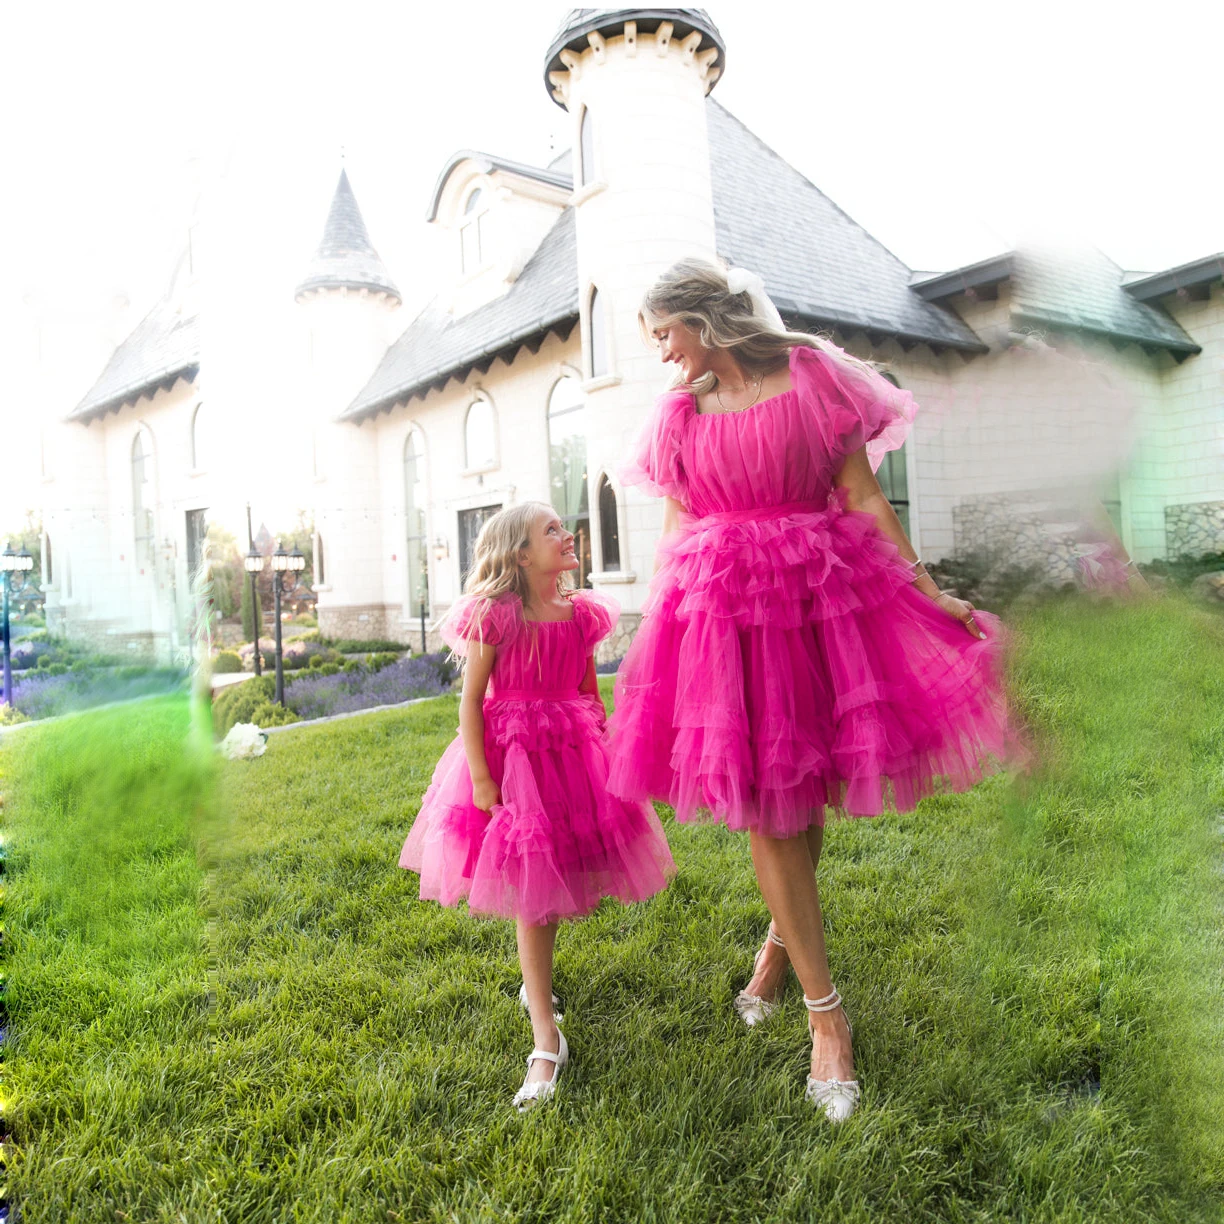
(470, 239)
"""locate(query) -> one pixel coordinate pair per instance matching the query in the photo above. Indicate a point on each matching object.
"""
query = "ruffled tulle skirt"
(557, 843)
(785, 665)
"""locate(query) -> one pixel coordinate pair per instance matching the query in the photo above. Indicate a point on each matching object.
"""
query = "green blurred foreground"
(226, 1003)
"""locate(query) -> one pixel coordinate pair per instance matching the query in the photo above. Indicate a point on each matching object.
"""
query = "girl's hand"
(485, 794)
(962, 609)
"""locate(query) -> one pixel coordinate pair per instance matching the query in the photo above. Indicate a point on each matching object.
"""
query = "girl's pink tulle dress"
(785, 664)
(559, 841)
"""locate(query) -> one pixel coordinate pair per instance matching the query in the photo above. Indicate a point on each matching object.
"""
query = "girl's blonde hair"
(495, 566)
(694, 292)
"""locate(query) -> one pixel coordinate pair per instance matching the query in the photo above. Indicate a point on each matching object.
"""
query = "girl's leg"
(771, 968)
(535, 947)
(788, 884)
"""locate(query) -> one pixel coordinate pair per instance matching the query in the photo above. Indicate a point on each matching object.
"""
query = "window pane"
(473, 201)
(416, 557)
(599, 336)
(478, 435)
(470, 523)
(586, 143)
(895, 484)
(567, 467)
(609, 527)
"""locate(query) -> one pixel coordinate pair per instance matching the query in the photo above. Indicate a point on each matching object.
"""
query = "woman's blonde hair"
(495, 565)
(694, 292)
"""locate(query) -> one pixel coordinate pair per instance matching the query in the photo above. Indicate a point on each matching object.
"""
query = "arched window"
(586, 149)
(197, 440)
(142, 496)
(471, 255)
(479, 436)
(567, 467)
(320, 567)
(416, 555)
(609, 526)
(893, 479)
(597, 340)
(48, 572)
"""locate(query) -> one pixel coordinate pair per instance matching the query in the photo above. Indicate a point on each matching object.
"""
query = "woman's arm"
(863, 493)
(485, 792)
(672, 510)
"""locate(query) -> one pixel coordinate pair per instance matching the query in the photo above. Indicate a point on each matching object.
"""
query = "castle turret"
(634, 82)
(350, 307)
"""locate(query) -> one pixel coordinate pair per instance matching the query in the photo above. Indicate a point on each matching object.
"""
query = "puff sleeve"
(597, 614)
(655, 464)
(476, 618)
(857, 407)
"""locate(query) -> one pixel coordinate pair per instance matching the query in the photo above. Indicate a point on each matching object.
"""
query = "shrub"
(268, 714)
(328, 669)
(376, 662)
(238, 703)
(364, 646)
(55, 669)
(30, 651)
(10, 716)
(226, 663)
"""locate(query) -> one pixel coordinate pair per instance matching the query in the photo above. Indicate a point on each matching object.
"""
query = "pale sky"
(947, 130)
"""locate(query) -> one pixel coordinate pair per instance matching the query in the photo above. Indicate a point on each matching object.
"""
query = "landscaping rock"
(1209, 586)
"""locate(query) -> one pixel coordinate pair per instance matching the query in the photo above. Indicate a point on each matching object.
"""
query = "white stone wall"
(101, 590)
(648, 204)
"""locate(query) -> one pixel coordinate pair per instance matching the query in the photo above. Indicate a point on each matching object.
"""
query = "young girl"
(794, 655)
(518, 818)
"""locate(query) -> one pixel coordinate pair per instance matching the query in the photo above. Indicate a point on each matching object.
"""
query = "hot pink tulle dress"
(559, 841)
(785, 664)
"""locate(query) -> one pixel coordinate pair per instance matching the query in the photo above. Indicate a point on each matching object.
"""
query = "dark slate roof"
(346, 258)
(487, 163)
(820, 267)
(937, 286)
(1148, 286)
(578, 23)
(437, 347)
(1083, 291)
(163, 347)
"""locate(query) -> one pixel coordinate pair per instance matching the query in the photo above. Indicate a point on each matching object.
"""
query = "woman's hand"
(486, 794)
(962, 609)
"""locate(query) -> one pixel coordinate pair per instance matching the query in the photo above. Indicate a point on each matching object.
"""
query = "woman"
(794, 655)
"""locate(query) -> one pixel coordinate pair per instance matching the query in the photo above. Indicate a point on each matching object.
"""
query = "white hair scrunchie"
(740, 280)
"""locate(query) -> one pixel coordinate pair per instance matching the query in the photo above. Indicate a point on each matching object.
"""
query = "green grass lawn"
(229, 1005)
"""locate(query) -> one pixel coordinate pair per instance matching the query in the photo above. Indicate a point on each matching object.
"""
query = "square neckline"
(790, 369)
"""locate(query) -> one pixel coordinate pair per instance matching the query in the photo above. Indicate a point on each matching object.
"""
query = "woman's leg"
(774, 962)
(535, 948)
(784, 869)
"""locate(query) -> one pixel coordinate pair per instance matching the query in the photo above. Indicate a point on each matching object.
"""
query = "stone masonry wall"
(1194, 530)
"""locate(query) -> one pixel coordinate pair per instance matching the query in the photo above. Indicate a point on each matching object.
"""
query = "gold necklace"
(756, 395)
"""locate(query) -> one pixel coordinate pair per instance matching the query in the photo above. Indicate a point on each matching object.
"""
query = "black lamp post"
(253, 570)
(283, 563)
(253, 563)
(11, 563)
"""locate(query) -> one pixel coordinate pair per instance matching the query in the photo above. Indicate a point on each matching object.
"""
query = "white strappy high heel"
(557, 1016)
(839, 1098)
(752, 1008)
(530, 1095)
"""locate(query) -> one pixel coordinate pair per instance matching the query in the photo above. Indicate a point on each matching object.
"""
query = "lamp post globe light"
(253, 562)
(11, 563)
(292, 563)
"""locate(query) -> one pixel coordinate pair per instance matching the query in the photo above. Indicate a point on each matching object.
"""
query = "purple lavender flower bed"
(312, 696)
(43, 696)
(609, 668)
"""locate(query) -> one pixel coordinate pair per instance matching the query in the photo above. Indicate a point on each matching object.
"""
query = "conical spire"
(346, 258)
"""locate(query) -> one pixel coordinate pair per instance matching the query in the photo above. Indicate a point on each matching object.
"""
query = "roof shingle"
(346, 258)
(162, 348)
(436, 347)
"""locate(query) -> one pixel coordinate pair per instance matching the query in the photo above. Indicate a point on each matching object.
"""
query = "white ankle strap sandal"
(532, 1094)
(752, 1009)
(838, 1098)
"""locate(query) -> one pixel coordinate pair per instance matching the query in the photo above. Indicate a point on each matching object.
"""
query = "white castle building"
(526, 377)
